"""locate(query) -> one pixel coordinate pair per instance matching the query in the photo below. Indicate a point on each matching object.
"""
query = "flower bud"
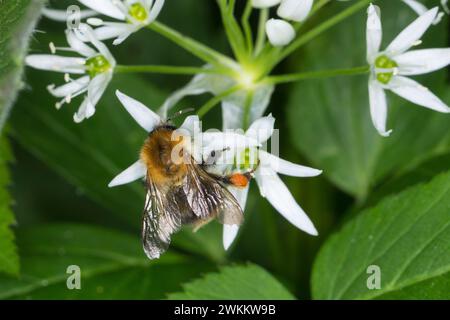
(296, 10)
(279, 32)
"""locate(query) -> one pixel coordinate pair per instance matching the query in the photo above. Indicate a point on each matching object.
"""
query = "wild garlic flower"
(135, 15)
(266, 168)
(96, 65)
(420, 8)
(198, 143)
(390, 67)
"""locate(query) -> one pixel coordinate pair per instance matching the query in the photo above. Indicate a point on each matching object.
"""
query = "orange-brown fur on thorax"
(157, 156)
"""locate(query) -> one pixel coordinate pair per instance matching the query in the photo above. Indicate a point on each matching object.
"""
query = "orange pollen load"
(239, 180)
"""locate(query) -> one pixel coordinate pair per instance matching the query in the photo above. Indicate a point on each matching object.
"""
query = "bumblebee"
(181, 193)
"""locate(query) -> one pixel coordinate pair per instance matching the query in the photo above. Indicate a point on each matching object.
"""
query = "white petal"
(145, 117)
(409, 36)
(192, 125)
(61, 15)
(69, 88)
(78, 45)
(232, 115)
(122, 37)
(101, 47)
(374, 33)
(282, 200)
(241, 195)
(56, 63)
(233, 106)
(229, 234)
(444, 4)
(296, 10)
(416, 93)
(192, 128)
(262, 129)
(98, 86)
(418, 7)
(286, 167)
(279, 32)
(111, 30)
(264, 3)
(156, 9)
(218, 141)
(422, 61)
(198, 85)
(80, 115)
(105, 7)
(136, 171)
(378, 107)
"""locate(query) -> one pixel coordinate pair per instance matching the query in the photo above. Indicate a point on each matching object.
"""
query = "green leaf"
(421, 173)
(112, 264)
(17, 21)
(330, 121)
(249, 282)
(9, 260)
(407, 236)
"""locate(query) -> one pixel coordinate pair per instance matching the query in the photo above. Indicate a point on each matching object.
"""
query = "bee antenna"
(180, 113)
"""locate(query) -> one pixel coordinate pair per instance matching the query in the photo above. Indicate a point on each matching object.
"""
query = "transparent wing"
(164, 214)
(207, 197)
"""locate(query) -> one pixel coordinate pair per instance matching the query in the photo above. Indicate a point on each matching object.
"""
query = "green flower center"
(246, 160)
(96, 65)
(384, 62)
(138, 12)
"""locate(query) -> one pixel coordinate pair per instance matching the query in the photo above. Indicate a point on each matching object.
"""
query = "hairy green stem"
(246, 26)
(286, 78)
(232, 30)
(261, 37)
(193, 46)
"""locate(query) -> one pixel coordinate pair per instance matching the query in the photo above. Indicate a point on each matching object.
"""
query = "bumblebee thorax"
(161, 152)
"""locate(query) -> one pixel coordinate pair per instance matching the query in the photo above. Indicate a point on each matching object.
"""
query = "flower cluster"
(96, 65)
(243, 85)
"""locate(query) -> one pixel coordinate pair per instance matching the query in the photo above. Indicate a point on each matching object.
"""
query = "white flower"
(135, 15)
(420, 9)
(279, 32)
(270, 185)
(148, 120)
(96, 66)
(389, 67)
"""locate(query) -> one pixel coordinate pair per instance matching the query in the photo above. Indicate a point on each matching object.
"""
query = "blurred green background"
(66, 214)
